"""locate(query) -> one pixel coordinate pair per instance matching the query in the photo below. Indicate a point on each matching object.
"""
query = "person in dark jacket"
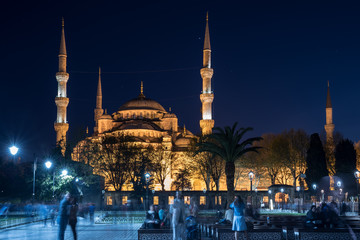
(73, 216)
(152, 218)
(63, 217)
(311, 217)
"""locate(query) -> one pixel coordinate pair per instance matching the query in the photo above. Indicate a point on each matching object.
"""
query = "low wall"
(333, 234)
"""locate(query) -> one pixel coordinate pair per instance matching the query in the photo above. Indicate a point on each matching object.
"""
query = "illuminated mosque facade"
(150, 124)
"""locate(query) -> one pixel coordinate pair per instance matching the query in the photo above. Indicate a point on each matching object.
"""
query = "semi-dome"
(142, 102)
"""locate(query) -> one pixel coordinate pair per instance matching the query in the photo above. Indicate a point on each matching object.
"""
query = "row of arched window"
(137, 115)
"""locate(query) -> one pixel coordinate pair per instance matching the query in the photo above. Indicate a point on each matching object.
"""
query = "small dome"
(106, 116)
(142, 102)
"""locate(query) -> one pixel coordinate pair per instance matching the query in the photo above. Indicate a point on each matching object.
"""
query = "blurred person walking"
(73, 216)
(63, 217)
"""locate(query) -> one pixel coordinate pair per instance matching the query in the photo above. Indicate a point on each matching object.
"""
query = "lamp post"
(314, 187)
(34, 174)
(204, 191)
(251, 177)
(256, 190)
(357, 176)
(270, 200)
(282, 197)
(48, 165)
(322, 195)
(147, 178)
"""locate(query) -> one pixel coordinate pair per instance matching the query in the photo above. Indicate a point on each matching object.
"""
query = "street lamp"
(13, 150)
(48, 165)
(282, 197)
(34, 174)
(256, 190)
(147, 178)
(251, 177)
(64, 172)
(357, 176)
(204, 191)
(322, 195)
(270, 200)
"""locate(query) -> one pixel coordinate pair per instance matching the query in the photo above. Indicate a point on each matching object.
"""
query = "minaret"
(329, 127)
(61, 125)
(329, 145)
(207, 96)
(98, 112)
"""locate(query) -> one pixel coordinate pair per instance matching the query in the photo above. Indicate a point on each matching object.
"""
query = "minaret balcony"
(207, 97)
(206, 72)
(61, 101)
(62, 76)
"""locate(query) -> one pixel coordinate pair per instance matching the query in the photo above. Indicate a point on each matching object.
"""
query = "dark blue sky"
(271, 63)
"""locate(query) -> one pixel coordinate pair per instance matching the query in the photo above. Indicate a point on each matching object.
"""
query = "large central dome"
(141, 102)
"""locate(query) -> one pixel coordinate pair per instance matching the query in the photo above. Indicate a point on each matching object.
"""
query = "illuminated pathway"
(85, 232)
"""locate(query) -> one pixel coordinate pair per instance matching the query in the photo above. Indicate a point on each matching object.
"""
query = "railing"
(12, 221)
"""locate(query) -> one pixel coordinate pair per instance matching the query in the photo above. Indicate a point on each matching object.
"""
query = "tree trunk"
(229, 172)
(163, 186)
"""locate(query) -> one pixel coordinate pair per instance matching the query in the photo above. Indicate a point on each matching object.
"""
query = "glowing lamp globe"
(64, 172)
(48, 164)
(13, 150)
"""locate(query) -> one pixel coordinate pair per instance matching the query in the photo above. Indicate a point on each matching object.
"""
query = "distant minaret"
(207, 96)
(329, 127)
(329, 145)
(61, 126)
(98, 112)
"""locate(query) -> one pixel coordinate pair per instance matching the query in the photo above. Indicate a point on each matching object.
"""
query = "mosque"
(149, 123)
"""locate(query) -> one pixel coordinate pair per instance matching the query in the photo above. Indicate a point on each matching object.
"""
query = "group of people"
(156, 218)
(326, 215)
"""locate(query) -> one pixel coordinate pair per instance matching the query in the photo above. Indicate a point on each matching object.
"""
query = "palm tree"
(227, 144)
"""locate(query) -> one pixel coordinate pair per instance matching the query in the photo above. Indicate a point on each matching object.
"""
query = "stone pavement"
(37, 231)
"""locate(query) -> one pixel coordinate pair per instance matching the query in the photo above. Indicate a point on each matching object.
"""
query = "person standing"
(239, 224)
(92, 212)
(178, 218)
(63, 217)
(73, 216)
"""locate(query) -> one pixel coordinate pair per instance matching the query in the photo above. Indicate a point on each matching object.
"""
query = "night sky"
(271, 64)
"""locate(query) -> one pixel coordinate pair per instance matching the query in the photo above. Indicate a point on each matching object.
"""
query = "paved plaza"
(37, 231)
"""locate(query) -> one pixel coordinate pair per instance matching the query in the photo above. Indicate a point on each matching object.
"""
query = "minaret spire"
(62, 52)
(207, 47)
(61, 125)
(207, 95)
(98, 112)
(328, 99)
(141, 95)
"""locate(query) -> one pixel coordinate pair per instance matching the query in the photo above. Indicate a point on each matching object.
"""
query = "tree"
(345, 164)
(182, 180)
(110, 156)
(161, 164)
(139, 165)
(315, 161)
(294, 144)
(226, 143)
(357, 148)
